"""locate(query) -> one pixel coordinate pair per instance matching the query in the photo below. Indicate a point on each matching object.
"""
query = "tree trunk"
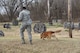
(49, 17)
(70, 17)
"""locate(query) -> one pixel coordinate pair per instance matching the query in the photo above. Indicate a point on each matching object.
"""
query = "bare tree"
(70, 16)
(39, 9)
(11, 7)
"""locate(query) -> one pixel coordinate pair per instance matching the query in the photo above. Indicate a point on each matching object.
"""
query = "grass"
(40, 46)
(56, 25)
(11, 43)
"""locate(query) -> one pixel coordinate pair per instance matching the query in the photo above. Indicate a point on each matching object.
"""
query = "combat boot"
(23, 41)
(31, 42)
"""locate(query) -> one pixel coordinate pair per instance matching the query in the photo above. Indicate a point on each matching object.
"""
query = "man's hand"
(17, 18)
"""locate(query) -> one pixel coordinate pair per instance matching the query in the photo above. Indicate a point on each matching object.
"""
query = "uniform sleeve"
(29, 12)
(20, 16)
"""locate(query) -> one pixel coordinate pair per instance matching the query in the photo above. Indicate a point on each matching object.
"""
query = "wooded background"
(39, 9)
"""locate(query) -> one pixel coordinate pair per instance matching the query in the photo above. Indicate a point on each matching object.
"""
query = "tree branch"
(6, 8)
(29, 2)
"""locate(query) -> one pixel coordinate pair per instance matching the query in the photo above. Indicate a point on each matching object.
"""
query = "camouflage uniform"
(24, 16)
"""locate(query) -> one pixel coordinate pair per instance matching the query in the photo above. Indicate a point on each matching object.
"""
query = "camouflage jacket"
(24, 16)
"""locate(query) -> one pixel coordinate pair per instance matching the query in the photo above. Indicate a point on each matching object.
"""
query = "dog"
(49, 34)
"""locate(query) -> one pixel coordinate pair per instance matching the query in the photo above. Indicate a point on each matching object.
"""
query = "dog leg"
(43, 39)
(49, 37)
(55, 36)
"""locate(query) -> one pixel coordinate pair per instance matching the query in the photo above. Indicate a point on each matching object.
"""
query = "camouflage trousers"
(22, 29)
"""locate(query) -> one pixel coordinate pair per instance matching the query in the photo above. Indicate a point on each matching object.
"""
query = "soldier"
(24, 16)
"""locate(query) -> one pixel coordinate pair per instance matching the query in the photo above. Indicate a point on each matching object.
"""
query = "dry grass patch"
(41, 46)
(11, 43)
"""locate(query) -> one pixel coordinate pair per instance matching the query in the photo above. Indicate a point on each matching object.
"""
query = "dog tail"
(57, 31)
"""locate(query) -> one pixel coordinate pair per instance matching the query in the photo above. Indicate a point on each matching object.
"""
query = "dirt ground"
(11, 43)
